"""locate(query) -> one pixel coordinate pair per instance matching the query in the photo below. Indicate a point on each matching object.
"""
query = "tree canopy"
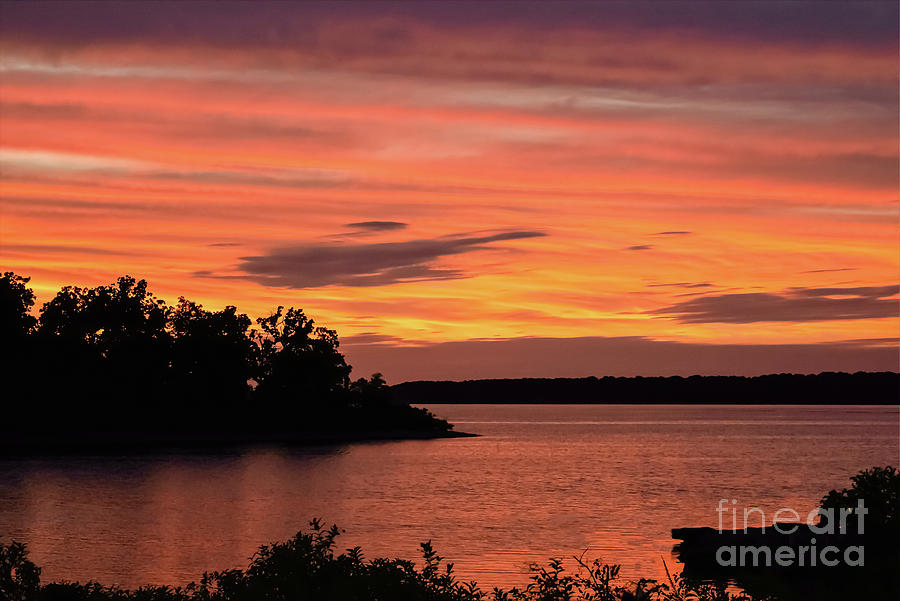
(16, 300)
(116, 358)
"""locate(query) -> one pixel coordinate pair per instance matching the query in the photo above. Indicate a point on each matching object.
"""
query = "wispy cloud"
(793, 304)
(829, 270)
(377, 226)
(682, 285)
(38, 249)
(312, 266)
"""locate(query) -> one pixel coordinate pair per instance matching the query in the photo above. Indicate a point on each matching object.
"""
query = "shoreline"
(135, 443)
(826, 388)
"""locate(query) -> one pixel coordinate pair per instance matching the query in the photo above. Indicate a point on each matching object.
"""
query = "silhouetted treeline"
(827, 387)
(115, 363)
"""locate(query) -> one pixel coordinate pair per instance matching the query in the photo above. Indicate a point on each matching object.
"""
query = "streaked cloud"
(796, 305)
(35, 249)
(12, 159)
(682, 285)
(830, 270)
(379, 264)
(378, 226)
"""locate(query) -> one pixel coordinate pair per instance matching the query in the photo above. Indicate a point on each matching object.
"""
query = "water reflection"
(541, 481)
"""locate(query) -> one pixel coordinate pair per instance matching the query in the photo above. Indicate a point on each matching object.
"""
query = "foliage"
(213, 356)
(105, 316)
(19, 577)
(17, 327)
(879, 490)
(373, 392)
(112, 338)
(307, 568)
(16, 300)
(299, 361)
(599, 581)
(119, 360)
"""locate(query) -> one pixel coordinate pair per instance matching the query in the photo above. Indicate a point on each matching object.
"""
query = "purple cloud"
(313, 266)
(793, 304)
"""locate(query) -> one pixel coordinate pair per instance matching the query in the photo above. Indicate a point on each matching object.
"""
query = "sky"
(468, 190)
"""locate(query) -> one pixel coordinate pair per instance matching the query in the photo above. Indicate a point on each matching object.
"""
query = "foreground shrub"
(306, 568)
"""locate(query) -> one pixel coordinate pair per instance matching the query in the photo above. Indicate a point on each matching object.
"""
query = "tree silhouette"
(117, 360)
(373, 393)
(299, 363)
(214, 356)
(16, 330)
(109, 344)
(16, 300)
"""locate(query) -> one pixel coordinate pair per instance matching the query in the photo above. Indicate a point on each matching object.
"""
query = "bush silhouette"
(307, 568)
(879, 491)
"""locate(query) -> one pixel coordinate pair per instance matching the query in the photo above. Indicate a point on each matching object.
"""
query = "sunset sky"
(474, 190)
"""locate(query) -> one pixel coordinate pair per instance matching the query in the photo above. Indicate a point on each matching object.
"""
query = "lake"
(541, 481)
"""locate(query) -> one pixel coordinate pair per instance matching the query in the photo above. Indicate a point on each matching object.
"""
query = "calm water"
(541, 481)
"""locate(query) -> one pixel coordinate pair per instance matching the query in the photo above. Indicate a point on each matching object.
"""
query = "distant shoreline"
(130, 442)
(827, 388)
